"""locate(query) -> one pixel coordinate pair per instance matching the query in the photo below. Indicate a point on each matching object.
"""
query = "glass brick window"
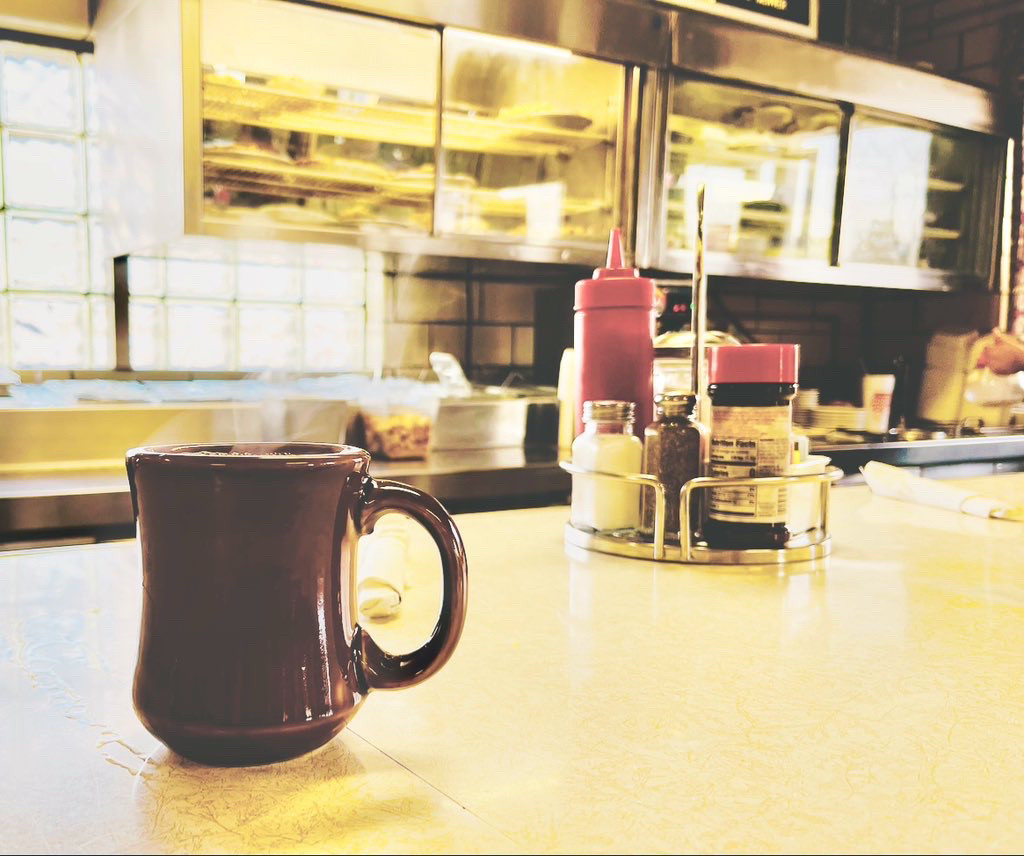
(203, 306)
(56, 284)
(223, 307)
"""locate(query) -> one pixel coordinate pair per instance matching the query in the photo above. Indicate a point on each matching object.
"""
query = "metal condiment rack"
(816, 543)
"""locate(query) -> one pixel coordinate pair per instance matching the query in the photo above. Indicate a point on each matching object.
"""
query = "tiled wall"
(490, 317)
(976, 40)
(56, 292)
(982, 42)
(844, 332)
(480, 313)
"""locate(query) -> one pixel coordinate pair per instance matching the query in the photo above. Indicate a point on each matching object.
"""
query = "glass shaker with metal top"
(607, 445)
(673, 447)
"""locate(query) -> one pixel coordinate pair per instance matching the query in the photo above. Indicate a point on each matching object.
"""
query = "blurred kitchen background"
(245, 219)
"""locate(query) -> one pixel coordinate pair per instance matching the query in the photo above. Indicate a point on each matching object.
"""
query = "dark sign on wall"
(792, 16)
(794, 11)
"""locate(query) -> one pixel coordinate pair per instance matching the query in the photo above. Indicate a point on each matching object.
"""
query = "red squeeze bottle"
(614, 337)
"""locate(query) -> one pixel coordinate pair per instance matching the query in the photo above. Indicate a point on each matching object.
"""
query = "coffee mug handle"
(380, 669)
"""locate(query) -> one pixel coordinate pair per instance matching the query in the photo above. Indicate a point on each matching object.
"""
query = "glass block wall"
(225, 308)
(208, 306)
(56, 294)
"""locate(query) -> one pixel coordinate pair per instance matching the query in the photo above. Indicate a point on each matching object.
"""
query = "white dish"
(838, 416)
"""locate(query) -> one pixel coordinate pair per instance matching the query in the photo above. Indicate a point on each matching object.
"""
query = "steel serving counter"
(94, 505)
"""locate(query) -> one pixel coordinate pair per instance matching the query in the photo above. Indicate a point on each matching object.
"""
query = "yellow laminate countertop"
(594, 704)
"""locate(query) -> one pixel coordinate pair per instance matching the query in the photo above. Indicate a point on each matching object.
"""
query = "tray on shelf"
(405, 124)
(935, 233)
(512, 202)
(946, 185)
(816, 543)
(275, 178)
(229, 169)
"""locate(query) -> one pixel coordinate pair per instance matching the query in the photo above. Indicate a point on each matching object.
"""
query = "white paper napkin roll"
(895, 483)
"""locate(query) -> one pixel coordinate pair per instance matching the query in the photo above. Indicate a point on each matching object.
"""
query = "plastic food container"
(397, 434)
(673, 371)
(398, 421)
(803, 500)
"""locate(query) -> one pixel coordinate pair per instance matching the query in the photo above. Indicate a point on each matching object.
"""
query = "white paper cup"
(877, 390)
(803, 502)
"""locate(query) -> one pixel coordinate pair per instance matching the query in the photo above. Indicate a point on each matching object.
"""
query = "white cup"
(803, 506)
(877, 389)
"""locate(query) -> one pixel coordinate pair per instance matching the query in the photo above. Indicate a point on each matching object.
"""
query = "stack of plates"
(839, 417)
(803, 406)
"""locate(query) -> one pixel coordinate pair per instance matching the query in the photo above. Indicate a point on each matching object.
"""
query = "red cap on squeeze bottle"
(614, 335)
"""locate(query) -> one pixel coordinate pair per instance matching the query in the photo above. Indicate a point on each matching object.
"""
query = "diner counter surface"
(872, 703)
(41, 504)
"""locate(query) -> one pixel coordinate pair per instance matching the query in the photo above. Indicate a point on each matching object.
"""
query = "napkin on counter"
(383, 556)
(893, 482)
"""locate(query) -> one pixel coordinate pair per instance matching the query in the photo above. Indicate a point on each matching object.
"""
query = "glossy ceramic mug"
(249, 649)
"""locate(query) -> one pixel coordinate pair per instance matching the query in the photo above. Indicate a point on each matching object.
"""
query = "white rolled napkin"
(896, 483)
(382, 560)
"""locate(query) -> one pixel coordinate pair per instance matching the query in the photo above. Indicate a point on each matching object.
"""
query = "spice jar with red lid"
(751, 389)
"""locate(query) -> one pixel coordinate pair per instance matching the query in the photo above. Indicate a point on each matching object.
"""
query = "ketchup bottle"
(613, 337)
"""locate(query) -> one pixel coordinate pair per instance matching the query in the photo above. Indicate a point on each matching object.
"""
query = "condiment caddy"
(686, 494)
(816, 543)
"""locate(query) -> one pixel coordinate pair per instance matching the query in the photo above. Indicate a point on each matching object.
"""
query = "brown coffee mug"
(250, 651)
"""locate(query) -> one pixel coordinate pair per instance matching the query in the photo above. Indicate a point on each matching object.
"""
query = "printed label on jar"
(746, 442)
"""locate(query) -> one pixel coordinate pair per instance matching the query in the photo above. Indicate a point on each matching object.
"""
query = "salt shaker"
(606, 445)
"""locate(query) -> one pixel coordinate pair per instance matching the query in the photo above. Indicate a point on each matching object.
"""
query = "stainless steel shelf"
(803, 270)
(949, 453)
(606, 29)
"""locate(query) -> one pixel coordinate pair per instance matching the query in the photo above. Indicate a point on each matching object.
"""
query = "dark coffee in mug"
(250, 650)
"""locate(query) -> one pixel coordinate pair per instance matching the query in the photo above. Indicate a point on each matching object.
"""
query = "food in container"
(398, 435)
(397, 420)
